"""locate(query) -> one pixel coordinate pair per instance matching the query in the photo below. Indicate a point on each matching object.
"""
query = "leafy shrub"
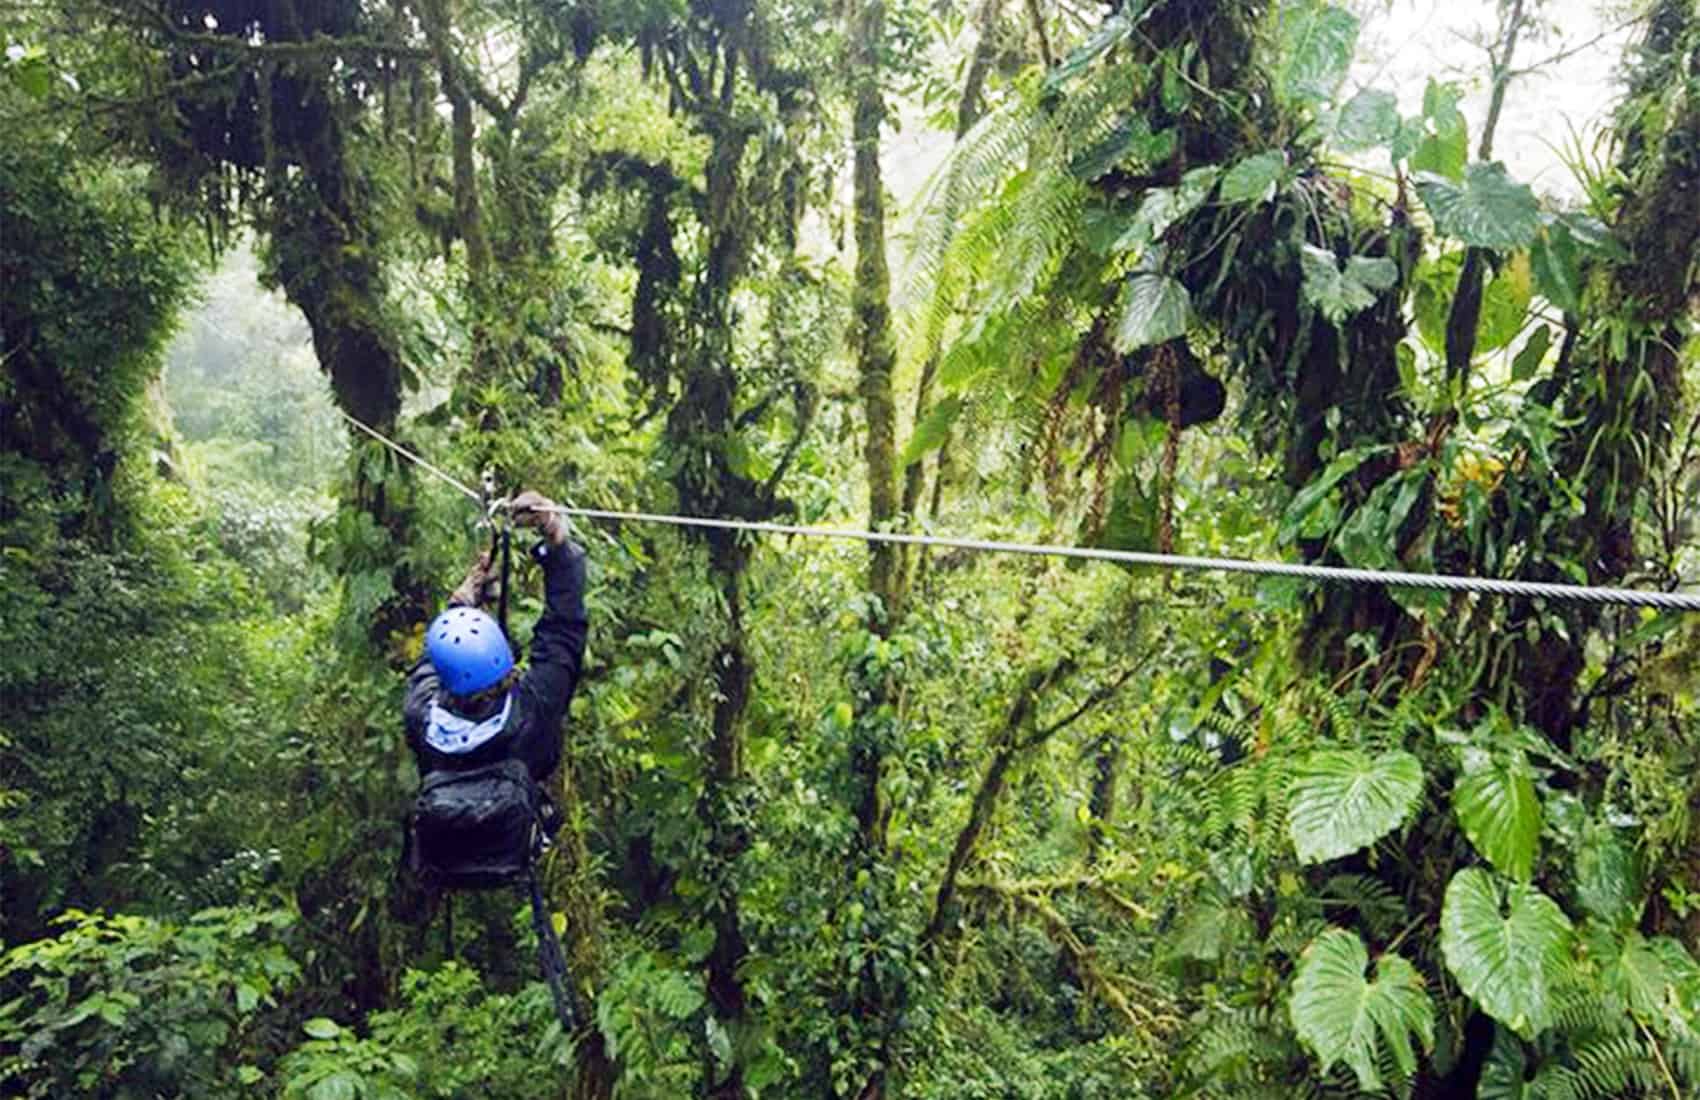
(450, 1038)
(120, 1006)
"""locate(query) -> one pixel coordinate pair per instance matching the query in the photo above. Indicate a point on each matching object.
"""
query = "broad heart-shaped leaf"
(1339, 294)
(1343, 799)
(1496, 803)
(1344, 1018)
(1253, 179)
(1317, 40)
(1162, 207)
(1505, 943)
(1155, 309)
(1368, 119)
(1504, 1071)
(1490, 209)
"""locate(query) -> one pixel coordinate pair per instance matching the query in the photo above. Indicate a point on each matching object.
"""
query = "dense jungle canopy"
(844, 819)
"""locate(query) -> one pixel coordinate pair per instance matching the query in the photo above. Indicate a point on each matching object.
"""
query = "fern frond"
(1612, 1068)
(1381, 910)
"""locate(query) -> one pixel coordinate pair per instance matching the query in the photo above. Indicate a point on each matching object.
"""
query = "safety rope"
(1494, 586)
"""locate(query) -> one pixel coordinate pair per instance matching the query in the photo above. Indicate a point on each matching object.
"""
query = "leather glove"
(478, 587)
(527, 513)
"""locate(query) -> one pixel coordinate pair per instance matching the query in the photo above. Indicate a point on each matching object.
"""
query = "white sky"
(1404, 42)
(1401, 45)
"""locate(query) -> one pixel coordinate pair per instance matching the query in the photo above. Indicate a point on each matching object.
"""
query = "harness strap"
(550, 956)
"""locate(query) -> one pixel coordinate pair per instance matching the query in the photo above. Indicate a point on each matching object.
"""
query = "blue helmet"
(467, 649)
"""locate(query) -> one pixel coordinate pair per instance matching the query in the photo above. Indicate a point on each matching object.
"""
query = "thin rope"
(1630, 597)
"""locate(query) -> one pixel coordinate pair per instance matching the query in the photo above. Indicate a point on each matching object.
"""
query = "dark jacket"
(540, 698)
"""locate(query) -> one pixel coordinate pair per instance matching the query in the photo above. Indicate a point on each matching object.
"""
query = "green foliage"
(1494, 797)
(1488, 210)
(1343, 1017)
(1342, 800)
(1155, 310)
(1370, 118)
(1253, 179)
(1317, 40)
(1340, 293)
(117, 1006)
(1438, 141)
(1506, 944)
(449, 1037)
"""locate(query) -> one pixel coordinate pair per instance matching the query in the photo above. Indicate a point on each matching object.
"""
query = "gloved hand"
(526, 513)
(478, 588)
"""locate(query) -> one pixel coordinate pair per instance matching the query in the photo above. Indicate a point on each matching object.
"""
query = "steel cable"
(1494, 586)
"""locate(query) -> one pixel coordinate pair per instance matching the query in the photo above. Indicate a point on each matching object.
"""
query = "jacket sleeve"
(557, 652)
(422, 687)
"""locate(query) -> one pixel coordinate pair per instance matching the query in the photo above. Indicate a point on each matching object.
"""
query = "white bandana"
(450, 733)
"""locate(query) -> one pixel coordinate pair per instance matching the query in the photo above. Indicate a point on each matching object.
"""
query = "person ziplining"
(487, 736)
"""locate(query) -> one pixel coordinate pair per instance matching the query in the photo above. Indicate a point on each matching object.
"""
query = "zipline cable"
(1630, 597)
(413, 458)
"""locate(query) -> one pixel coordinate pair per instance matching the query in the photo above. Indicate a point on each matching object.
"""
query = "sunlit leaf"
(1155, 309)
(1496, 804)
(1488, 210)
(1342, 800)
(1505, 944)
(1253, 179)
(1368, 119)
(1317, 40)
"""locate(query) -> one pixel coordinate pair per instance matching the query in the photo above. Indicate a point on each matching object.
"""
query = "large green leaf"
(1340, 293)
(1558, 267)
(1368, 119)
(1162, 207)
(1505, 943)
(1317, 40)
(1504, 1074)
(1438, 141)
(1496, 803)
(1344, 799)
(1299, 519)
(1344, 1018)
(1488, 210)
(1608, 875)
(1505, 302)
(1253, 179)
(1155, 309)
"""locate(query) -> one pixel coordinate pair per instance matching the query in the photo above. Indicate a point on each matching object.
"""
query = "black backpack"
(480, 827)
